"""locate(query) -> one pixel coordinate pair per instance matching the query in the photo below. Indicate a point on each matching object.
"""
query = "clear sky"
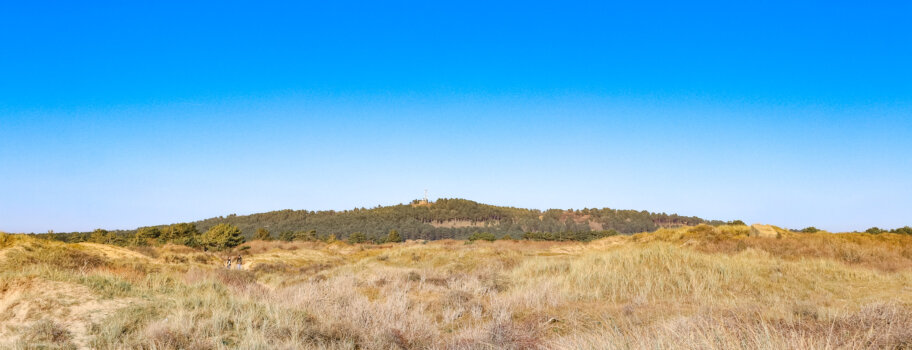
(118, 115)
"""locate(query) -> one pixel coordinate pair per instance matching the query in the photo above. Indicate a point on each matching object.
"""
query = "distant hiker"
(228, 264)
(238, 261)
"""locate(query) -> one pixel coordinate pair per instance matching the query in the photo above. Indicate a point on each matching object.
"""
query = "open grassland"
(699, 287)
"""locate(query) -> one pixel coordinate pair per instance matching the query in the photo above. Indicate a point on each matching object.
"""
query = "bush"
(175, 258)
(582, 236)
(874, 230)
(262, 234)
(47, 334)
(356, 238)
(810, 229)
(394, 237)
(487, 236)
(307, 236)
(286, 236)
(6, 239)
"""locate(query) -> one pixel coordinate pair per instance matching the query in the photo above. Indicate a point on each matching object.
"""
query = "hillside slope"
(452, 218)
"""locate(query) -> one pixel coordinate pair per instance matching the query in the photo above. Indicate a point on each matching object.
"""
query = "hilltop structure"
(422, 202)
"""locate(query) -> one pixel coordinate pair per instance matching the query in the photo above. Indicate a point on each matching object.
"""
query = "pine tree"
(222, 236)
(182, 233)
(394, 237)
(146, 236)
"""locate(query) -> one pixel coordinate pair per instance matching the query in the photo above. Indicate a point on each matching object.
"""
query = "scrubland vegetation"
(710, 287)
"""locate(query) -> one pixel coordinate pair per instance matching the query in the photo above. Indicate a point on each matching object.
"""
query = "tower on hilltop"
(424, 201)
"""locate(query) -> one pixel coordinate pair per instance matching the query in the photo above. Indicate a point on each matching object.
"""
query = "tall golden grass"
(696, 288)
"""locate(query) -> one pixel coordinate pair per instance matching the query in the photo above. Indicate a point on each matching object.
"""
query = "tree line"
(218, 237)
(409, 221)
(429, 222)
(225, 236)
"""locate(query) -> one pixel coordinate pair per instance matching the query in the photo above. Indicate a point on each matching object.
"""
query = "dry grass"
(702, 287)
(46, 334)
(886, 252)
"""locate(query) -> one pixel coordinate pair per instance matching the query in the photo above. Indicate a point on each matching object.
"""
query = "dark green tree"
(146, 236)
(222, 236)
(181, 233)
(874, 230)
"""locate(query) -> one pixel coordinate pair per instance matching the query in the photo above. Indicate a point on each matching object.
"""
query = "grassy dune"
(700, 287)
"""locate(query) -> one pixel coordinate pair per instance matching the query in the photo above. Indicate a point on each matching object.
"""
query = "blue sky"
(120, 115)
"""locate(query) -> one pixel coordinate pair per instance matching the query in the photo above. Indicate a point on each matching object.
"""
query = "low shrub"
(47, 334)
(486, 236)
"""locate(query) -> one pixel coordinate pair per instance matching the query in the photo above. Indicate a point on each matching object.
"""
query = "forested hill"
(449, 218)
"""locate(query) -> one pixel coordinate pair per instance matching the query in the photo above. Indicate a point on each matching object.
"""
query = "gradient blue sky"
(119, 115)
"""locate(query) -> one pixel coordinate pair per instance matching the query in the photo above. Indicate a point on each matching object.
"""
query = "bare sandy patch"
(24, 302)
